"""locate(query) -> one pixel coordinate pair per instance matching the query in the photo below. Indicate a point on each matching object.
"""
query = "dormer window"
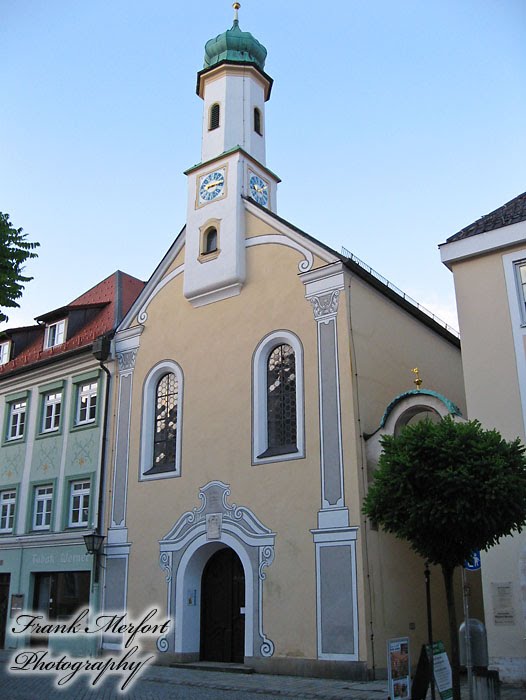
(213, 122)
(5, 352)
(257, 121)
(55, 334)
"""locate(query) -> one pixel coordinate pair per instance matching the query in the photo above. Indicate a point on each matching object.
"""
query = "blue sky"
(391, 124)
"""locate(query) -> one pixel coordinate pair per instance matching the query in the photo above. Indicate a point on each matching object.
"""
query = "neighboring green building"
(53, 387)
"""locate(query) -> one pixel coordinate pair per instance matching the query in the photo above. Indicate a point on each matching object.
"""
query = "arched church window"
(214, 116)
(278, 427)
(281, 400)
(161, 422)
(165, 427)
(257, 121)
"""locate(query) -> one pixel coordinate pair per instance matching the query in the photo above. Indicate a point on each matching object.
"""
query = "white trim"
(81, 493)
(5, 352)
(481, 243)
(282, 227)
(259, 397)
(43, 494)
(280, 239)
(7, 501)
(517, 322)
(60, 334)
(148, 420)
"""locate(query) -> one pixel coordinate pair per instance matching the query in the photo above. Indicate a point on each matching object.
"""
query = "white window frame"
(259, 397)
(7, 510)
(148, 420)
(79, 501)
(17, 410)
(521, 289)
(55, 334)
(53, 401)
(87, 391)
(4, 352)
(44, 495)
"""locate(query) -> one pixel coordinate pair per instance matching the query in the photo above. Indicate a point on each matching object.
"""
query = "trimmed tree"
(15, 250)
(449, 488)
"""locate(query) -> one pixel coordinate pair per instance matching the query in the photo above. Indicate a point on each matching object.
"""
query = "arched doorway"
(223, 608)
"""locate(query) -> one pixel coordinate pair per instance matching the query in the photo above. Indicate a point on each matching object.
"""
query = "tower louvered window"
(166, 405)
(257, 121)
(281, 400)
(214, 116)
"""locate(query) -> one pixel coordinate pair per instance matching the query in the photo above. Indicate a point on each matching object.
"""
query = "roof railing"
(347, 254)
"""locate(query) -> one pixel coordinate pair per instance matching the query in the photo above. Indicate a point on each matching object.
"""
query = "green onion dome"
(235, 45)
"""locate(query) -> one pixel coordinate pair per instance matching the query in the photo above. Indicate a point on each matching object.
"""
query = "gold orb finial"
(236, 7)
(417, 381)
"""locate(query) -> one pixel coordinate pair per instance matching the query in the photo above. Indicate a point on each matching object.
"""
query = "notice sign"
(442, 671)
(502, 598)
(399, 668)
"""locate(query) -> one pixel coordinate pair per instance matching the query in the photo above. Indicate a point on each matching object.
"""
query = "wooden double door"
(223, 608)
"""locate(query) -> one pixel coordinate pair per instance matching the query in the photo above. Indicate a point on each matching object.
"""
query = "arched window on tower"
(213, 122)
(210, 241)
(257, 121)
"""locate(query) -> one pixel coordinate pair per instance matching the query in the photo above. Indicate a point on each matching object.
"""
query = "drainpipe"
(101, 351)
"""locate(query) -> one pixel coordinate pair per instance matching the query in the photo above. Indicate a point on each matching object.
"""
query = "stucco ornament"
(215, 523)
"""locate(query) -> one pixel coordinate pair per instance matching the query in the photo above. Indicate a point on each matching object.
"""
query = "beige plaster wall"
(487, 344)
(492, 390)
(386, 343)
(214, 345)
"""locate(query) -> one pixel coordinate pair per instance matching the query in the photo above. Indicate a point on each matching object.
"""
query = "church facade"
(256, 371)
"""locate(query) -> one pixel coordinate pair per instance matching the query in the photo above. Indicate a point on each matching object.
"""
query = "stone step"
(217, 666)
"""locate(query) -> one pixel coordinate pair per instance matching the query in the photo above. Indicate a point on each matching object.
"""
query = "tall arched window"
(257, 121)
(165, 424)
(161, 422)
(281, 400)
(213, 122)
(278, 414)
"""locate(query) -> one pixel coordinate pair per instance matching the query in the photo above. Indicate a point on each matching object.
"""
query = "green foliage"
(449, 488)
(14, 251)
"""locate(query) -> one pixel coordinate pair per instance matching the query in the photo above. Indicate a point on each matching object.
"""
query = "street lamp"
(93, 543)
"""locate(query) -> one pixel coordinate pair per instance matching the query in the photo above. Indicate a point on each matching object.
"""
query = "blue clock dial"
(258, 190)
(212, 185)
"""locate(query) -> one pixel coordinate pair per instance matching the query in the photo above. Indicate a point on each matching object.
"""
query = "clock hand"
(216, 183)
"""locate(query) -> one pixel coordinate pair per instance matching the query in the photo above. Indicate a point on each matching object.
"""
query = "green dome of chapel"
(235, 45)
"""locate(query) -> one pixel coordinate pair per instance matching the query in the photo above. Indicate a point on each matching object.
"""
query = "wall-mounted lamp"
(93, 543)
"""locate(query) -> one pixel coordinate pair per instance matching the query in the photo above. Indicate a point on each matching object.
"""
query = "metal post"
(467, 634)
(427, 574)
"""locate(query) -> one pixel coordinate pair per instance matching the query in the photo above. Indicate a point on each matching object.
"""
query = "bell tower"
(234, 88)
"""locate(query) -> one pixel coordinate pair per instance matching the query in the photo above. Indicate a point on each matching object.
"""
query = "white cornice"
(483, 243)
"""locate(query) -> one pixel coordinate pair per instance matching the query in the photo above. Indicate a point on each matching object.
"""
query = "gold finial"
(417, 379)
(236, 7)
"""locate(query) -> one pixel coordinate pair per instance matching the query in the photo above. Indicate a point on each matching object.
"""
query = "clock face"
(211, 186)
(258, 189)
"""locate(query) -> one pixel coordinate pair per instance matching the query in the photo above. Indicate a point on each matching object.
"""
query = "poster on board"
(399, 668)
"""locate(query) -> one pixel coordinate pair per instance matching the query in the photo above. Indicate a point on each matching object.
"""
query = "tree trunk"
(447, 572)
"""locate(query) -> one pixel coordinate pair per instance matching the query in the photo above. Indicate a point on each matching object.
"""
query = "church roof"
(236, 46)
(511, 213)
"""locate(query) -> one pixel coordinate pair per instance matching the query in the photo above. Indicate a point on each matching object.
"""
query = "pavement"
(198, 683)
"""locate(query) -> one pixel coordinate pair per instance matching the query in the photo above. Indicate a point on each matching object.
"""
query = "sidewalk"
(163, 682)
